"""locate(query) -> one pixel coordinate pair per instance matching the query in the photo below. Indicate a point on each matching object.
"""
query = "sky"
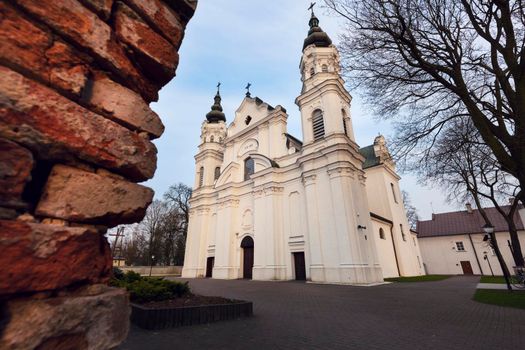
(256, 41)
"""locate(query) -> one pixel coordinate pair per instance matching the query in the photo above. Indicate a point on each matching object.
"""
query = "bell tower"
(324, 102)
(209, 159)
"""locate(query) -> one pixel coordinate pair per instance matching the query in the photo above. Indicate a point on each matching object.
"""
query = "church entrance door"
(209, 266)
(300, 266)
(247, 247)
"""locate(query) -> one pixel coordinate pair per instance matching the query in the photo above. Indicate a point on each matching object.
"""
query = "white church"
(267, 206)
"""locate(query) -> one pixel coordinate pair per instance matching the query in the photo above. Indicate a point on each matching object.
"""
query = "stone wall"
(76, 81)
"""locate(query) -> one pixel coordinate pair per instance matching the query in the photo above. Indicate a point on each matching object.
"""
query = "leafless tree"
(410, 210)
(178, 197)
(465, 167)
(430, 62)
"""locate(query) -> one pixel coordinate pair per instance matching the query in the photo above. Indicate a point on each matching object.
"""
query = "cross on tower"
(312, 4)
(248, 90)
(218, 86)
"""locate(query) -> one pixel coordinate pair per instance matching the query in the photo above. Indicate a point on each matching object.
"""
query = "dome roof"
(316, 35)
(216, 114)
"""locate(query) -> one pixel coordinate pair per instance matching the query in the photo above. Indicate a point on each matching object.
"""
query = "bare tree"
(178, 197)
(430, 62)
(410, 210)
(464, 166)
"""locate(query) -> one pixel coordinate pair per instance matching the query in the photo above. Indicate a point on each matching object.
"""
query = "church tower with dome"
(269, 206)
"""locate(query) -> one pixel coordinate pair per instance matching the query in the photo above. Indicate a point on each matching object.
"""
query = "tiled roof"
(370, 156)
(462, 222)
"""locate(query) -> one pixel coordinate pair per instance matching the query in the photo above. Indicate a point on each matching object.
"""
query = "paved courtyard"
(293, 315)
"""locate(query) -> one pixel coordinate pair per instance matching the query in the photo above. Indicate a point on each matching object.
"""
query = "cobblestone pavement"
(293, 315)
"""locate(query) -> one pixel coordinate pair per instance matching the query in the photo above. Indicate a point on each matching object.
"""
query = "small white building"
(453, 243)
(268, 206)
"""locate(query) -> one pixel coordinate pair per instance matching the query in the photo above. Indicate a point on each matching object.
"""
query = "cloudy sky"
(256, 41)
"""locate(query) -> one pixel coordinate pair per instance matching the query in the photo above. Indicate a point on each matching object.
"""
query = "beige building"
(453, 243)
(269, 206)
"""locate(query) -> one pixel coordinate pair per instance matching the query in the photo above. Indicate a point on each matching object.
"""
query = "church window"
(212, 139)
(248, 120)
(201, 176)
(393, 192)
(318, 125)
(345, 128)
(312, 71)
(324, 68)
(249, 168)
(217, 173)
(382, 233)
(402, 232)
(460, 247)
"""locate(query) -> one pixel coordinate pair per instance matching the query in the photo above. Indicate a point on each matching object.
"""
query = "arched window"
(312, 71)
(249, 168)
(324, 68)
(345, 127)
(201, 176)
(381, 233)
(217, 173)
(248, 120)
(212, 139)
(318, 124)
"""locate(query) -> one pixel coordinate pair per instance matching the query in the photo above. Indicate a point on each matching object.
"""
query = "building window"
(381, 233)
(249, 168)
(312, 71)
(318, 124)
(201, 176)
(402, 232)
(212, 139)
(393, 192)
(248, 120)
(324, 68)
(217, 173)
(345, 128)
(460, 247)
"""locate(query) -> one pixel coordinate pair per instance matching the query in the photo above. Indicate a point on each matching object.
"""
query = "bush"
(118, 273)
(144, 289)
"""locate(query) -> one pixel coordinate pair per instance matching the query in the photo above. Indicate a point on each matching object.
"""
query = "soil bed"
(188, 300)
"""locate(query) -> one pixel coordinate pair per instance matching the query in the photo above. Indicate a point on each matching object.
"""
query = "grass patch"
(499, 297)
(424, 278)
(492, 279)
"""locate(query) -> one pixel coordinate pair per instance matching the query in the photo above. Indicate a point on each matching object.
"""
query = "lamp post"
(485, 257)
(490, 237)
(151, 264)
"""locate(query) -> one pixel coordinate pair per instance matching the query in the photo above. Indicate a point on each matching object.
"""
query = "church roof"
(464, 222)
(316, 35)
(216, 114)
(370, 156)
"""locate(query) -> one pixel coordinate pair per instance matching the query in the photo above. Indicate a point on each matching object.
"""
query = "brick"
(79, 320)
(161, 17)
(100, 7)
(80, 196)
(38, 257)
(34, 51)
(124, 106)
(77, 23)
(53, 127)
(157, 57)
(16, 164)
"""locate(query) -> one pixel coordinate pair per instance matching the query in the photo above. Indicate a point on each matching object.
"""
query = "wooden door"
(467, 268)
(247, 263)
(300, 266)
(209, 266)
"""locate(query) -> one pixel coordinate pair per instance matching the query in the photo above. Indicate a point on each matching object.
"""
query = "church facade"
(268, 206)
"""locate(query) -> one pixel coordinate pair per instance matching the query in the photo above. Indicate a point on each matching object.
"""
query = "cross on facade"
(248, 90)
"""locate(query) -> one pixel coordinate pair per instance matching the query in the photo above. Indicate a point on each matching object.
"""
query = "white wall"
(441, 256)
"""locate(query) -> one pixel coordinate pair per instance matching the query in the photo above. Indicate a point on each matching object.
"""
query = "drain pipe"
(394, 245)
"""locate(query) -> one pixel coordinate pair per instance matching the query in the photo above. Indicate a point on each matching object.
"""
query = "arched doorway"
(247, 256)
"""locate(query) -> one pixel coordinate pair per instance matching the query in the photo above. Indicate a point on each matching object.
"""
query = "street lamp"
(489, 230)
(151, 264)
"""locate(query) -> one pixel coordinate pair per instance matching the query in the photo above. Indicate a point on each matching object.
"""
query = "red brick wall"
(76, 80)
